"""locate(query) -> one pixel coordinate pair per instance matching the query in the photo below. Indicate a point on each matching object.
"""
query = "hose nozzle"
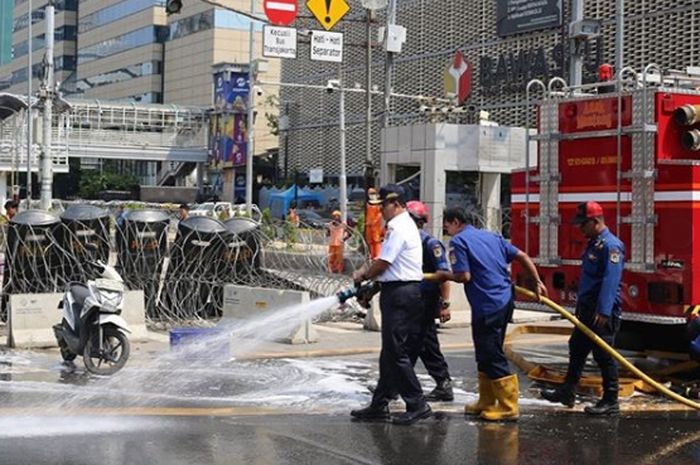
(363, 292)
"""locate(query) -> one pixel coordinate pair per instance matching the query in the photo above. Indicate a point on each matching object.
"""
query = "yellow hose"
(616, 355)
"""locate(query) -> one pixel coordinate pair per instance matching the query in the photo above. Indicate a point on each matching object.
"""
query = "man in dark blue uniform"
(436, 302)
(399, 269)
(598, 307)
(480, 260)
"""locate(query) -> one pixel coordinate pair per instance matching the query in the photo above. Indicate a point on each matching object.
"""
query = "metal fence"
(182, 269)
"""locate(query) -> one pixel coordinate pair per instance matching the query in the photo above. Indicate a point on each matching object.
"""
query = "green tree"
(94, 182)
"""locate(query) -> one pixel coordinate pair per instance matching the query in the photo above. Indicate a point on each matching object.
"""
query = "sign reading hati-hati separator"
(279, 42)
(327, 46)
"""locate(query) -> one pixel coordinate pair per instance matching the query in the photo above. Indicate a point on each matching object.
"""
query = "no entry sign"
(281, 12)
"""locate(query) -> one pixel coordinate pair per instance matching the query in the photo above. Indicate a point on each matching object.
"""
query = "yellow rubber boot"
(507, 392)
(486, 397)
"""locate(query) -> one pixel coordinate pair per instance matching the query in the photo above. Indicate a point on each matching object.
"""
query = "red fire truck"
(637, 152)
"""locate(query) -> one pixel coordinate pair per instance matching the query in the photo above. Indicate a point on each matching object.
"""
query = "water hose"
(603, 345)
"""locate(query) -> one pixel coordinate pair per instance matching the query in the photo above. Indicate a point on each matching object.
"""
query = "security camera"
(422, 108)
(331, 85)
(259, 91)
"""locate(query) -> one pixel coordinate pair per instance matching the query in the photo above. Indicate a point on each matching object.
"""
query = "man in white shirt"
(399, 269)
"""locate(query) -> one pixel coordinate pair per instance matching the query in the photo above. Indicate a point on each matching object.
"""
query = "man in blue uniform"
(399, 269)
(480, 260)
(598, 307)
(436, 302)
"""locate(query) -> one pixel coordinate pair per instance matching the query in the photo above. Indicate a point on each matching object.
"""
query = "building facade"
(6, 8)
(13, 73)
(130, 50)
(656, 31)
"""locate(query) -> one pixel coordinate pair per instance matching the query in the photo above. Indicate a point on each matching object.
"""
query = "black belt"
(397, 283)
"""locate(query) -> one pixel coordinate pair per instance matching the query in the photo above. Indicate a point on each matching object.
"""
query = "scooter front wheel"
(114, 353)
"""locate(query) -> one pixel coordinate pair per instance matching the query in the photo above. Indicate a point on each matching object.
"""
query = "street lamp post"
(251, 116)
(47, 96)
(30, 136)
(343, 175)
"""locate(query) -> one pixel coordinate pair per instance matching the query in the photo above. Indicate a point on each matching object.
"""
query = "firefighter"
(337, 234)
(436, 302)
(598, 307)
(480, 260)
(399, 269)
(373, 223)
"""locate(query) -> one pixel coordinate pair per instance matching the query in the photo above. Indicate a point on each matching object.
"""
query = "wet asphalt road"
(296, 412)
(327, 440)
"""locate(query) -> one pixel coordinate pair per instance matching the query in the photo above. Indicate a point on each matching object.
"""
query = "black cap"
(390, 192)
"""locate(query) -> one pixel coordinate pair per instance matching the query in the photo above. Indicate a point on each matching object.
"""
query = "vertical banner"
(229, 141)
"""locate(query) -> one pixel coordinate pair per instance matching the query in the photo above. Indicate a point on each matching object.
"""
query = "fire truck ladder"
(642, 174)
(549, 177)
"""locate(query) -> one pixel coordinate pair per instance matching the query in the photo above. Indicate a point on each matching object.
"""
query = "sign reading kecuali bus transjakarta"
(281, 12)
(516, 16)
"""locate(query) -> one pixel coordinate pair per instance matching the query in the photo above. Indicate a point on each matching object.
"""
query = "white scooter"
(92, 325)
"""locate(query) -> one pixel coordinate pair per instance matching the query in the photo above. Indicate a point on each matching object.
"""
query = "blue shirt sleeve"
(510, 250)
(437, 249)
(614, 263)
(459, 256)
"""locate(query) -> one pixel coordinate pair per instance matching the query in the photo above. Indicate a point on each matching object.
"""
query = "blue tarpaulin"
(279, 203)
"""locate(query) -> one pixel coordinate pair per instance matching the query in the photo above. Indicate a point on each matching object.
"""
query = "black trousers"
(430, 354)
(488, 333)
(402, 337)
(580, 346)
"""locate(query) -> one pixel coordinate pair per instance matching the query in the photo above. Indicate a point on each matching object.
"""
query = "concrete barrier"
(243, 302)
(32, 316)
(30, 320)
(459, 308)
(134, 312)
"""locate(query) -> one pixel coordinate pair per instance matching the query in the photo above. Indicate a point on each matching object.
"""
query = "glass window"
(231, 20)
(21, 22)
(119, 75)
(137, 38)
(116, 12)
(64, 62)
(192, 24)
(62, 33)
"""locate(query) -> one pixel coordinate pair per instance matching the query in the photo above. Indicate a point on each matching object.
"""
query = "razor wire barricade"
(182, 275)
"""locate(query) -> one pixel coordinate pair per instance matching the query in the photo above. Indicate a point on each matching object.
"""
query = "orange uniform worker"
(292, 215)
(374, 233)
(337, 234)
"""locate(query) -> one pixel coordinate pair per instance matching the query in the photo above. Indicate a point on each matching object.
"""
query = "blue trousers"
(580, 346)
(488, 333)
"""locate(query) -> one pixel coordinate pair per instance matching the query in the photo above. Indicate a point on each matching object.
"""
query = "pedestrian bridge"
(106, 130)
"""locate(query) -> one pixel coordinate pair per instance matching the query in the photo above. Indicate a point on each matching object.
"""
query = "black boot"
(608, 405)
(442, 392)
(412, 416)
(373, 412)
(563, 394)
